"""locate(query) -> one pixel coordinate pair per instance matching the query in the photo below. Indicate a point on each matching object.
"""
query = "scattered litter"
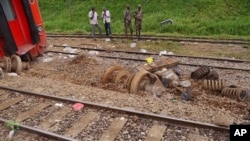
(186, 95)
(51, 45)
(174, 100)
(46, 60)
(168, 21)
(78, 106)
(49, 54)
(65, 57)
(59, 104)
(12, 74)
(182, 43)
(170, 53)
(185, 83)
(65, 45)
(149, 60)
(70, 50)
(93, 52)
(170, 74)
(11, 134)
(163, 53)
(122, 118)
(16, 93)
(58, 120)
(107, 40)
(71, 56)
(132, 45)
(143, 50)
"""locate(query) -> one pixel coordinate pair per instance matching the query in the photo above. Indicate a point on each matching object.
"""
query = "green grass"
(216, 18)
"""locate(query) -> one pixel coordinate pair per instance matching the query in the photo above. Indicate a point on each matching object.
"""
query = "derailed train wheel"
(16, 64)
(6, 64)
(136, 81)
(108, 73)
(121, 76)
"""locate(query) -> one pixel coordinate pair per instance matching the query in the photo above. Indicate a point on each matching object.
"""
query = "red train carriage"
(22, 35)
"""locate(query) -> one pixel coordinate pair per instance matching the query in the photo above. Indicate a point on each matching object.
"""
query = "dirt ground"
(79, 77)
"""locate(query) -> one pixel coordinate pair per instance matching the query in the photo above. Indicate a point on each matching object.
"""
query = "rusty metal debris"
(159, 75)
(109, 72)
(163, 62)
(121, 76)
(144, 79)
(200, 72)
(213, 75)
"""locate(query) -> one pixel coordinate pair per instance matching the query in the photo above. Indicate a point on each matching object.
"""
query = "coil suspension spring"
(200, 72)
(239, 94)
(215, 85)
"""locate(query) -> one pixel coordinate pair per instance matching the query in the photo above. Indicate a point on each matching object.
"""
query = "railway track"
(165, 38)
(37, 113)
(220, 63)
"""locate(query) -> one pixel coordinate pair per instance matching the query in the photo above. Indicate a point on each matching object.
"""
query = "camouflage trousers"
(138, 25)
(128, 25)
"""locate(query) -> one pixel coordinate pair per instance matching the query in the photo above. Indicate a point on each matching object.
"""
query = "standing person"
(138, 15)
(93, 17)
(106, 20)
(127, 20)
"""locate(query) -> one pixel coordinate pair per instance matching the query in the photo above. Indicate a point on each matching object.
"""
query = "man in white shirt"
(93, 17)
(106, 20)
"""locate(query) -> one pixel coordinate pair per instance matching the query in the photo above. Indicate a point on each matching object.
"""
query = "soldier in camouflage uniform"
(138, 15)
(127, 20)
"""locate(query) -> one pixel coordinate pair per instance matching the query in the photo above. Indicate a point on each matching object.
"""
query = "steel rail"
(167, 38)
(152, 53)
(142, 60)
(169, 119)
(147, 35)
(40, 131)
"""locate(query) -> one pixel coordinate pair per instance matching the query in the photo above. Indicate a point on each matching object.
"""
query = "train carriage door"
(8, 44)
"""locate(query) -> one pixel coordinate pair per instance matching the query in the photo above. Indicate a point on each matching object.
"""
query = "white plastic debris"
(11, 134)
(51, 45)
(163, 53)
(170, 53)
(132, 45)
(65, 45)
(107, 40)
(71, 56)
(59, 104)
(143, 50)
(46, 60)
(185, 83)
(50, 54)
(12, 74)
(122, 118)
(70, 50)
(93, 52)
